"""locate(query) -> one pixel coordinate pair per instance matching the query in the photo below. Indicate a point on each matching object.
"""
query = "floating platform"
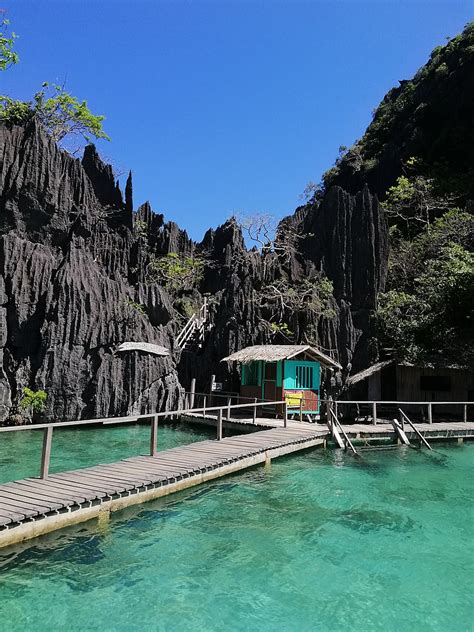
(33, 506)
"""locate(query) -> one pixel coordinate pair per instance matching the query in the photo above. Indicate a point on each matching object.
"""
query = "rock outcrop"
(74, 285)
(68, 294)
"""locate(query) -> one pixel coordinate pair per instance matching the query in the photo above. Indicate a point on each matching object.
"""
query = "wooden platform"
(32, 506)
(360, 431)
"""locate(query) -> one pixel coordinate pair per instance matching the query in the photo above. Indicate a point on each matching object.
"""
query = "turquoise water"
(320, 541)
(20, 452)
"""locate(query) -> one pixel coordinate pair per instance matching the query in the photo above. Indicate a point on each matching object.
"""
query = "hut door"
(269, 381)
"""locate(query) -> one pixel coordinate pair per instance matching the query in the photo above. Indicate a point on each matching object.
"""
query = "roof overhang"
(144, 347)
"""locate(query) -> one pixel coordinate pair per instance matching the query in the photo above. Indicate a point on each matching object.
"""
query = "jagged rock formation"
(67, 286)
(74, 285)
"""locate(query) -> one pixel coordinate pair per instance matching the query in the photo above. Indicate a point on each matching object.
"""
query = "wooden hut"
(283, 372)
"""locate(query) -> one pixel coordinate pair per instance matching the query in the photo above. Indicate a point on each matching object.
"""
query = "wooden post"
(255, 411)
(402, 421)
(430, 413)
(335, 409)
(285, 415)
(465, 414)
(374, 413)
(46, 453)
(204, 402)
(301, 409)
(229, 401)
(211, 388)
(192, 393)
(153, 435)
(219, 424)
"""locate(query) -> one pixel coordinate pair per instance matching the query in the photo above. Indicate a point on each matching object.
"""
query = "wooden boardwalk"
(33, 506)
(361, 431)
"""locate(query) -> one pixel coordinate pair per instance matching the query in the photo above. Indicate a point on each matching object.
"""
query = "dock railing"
(371, 409)
(48, 428)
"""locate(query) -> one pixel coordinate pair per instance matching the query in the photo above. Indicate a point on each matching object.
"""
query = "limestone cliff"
(73, 283)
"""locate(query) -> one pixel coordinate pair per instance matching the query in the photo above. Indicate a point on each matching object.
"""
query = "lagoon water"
(319, 541)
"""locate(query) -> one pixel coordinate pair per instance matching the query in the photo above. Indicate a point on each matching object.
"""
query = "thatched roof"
(146, 347)
(273, 353)
(363, 375)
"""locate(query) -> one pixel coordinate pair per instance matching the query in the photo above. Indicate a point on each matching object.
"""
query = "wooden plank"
(95, 482)
(74, 489)
(401, 434)
(10, 516)
(23, 511)
(9, 498)
(42, 493)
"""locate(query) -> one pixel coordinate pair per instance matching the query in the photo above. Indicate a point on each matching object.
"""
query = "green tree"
(34, 401)
(8, 56)
(61, 113)
(177, 272)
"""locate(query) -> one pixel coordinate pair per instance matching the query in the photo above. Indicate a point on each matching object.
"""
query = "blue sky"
(226, 107)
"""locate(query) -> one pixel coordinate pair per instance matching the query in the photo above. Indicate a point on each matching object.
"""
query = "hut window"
(435, 383)
(304, 377)
(250, 374)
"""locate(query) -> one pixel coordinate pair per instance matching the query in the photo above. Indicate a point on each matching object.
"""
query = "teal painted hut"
(290, 373)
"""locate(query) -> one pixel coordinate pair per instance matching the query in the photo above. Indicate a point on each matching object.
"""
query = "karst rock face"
(67, 281)
(73, 270)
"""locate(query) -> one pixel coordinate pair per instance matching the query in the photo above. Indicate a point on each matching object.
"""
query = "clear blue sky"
(223, 107)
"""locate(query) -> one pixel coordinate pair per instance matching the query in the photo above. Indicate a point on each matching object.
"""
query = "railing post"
(255, 411)
(336, 409)
(153, 435)
(46, 453)
(301, 409)
(430, 413)
(402, 420)
(204, 402)
(465, 414)
(219, 424)
(193, 391)
(229, 401)
(285, 415)
(374, 413)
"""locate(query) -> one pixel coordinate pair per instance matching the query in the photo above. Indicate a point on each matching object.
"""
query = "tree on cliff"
(61, 113)
(8, 56)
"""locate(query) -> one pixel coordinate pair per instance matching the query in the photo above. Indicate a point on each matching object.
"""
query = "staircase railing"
(195, 324)
(348, 442)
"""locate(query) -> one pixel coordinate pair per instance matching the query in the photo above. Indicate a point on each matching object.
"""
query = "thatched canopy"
(363, 375)
(146, 347)
(273, 353)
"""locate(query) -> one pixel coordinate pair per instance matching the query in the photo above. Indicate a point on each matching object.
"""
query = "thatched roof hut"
(274, 353)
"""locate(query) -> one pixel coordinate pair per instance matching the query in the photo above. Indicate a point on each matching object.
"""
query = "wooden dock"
(364, 432)
(34, 506)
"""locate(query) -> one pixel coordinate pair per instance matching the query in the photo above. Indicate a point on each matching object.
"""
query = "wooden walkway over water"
(34, 506)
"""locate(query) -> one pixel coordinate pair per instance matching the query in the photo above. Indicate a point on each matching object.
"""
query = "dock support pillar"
(285, 415)
(192, 392)
(374, 413)
(430, 413)
(46, 453)
(219, 424)
(153, 435)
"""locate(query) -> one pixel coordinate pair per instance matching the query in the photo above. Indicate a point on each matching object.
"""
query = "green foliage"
(14, 112)
(141, 228)
(8, 56)
(137, 307)
(34, 401)
(62, 114)
(177, 272)
(428, 309)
